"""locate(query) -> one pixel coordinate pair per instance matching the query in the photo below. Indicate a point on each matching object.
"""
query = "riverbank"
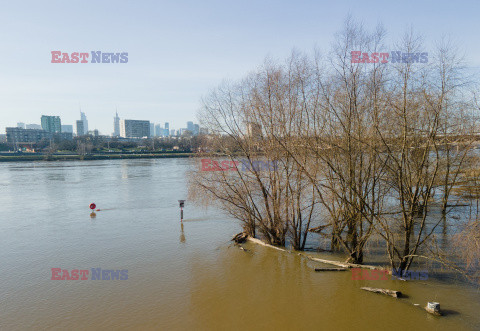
(72, 157)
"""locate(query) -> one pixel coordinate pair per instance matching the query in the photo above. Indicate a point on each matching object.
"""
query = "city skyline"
(118, 128)
(36, 124)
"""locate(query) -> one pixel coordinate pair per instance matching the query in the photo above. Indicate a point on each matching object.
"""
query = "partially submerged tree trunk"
(392, 293)
(330, 269)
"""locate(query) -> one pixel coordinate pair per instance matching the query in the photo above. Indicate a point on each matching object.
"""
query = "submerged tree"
(358, 149)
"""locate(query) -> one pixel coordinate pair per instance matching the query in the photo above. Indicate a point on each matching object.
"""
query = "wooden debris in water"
(433, 308)
(318, 229)
(258, 241)
(392, 293)
(330, 269)
(240, 238)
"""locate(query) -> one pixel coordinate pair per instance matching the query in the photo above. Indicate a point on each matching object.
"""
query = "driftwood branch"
(331, 269)
(392, 293)
(318, 229)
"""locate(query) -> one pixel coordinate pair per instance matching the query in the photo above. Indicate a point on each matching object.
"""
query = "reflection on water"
(204, 282)
(182, 234)
(280, 291)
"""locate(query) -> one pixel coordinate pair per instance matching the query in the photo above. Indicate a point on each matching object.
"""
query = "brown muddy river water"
(179, 278)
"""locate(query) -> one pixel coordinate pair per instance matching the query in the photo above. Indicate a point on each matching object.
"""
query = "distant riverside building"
(21, 125)
(3, 138)
(152, 129)
(172, 132)
(134, 129)
(67, 128)
(158, 130)
(19, 135)
(183, 131)
(254, 130)
(33, 127)
(83, 118)
(193, 128)
(116, 125)
(51, 124)
(190, 126)
(80, 128)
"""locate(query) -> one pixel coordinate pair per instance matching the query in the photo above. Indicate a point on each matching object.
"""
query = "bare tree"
(358, 148)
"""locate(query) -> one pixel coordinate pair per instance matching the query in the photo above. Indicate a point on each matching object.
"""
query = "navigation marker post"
(92, 207)
(182, 204)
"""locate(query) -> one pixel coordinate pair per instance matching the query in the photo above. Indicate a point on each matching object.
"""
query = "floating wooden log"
(337, 263)
(330, 269)
(392, 293)
(344, 264)
(258, 241)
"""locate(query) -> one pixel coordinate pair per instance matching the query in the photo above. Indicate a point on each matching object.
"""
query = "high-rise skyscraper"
(196, 129)
(51, 124)
(80, 128)
(116, 125)
(83, 118)
(158, 130)
(21, 125)
(152, 129)
(190, 126)
(167, 129)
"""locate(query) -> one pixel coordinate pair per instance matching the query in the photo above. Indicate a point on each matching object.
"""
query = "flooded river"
(179, 276)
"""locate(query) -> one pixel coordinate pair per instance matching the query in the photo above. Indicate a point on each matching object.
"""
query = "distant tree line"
(92, 144)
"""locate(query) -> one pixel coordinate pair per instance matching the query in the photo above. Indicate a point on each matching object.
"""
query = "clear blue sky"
(179, 50)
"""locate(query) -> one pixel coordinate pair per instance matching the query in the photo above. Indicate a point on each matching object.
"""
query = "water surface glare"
(179, 276)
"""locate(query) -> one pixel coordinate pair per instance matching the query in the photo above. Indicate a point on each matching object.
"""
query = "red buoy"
(93, 206)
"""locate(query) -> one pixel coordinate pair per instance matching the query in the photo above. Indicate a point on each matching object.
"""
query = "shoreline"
(89, 157)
